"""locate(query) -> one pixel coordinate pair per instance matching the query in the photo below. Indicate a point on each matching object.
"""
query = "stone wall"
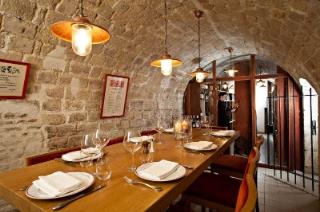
(64, 90)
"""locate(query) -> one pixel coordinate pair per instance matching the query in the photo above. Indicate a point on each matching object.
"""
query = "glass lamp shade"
(81, 39)
(166, 66)
(231, 72)
(260, 83)
(200, 77)
(225, 86)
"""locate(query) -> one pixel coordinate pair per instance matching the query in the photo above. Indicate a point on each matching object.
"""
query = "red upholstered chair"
(48, 156)
(226, 193)
(233, 165)
(58, 153)
(148, 132)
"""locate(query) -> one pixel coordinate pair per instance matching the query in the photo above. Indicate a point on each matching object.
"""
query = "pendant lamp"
(80, 32)
(232, 70)
(199, 73)
(166, 62)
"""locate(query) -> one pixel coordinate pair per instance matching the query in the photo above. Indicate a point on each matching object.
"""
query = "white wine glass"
(100, 140)
(132, 143)
(88, 149)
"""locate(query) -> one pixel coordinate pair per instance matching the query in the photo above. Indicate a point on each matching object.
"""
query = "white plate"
(96, 156)
(212, 147)
(34, 193)
(179, 173)
(223, 133)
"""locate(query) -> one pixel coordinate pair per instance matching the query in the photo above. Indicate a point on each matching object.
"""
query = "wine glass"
(160, 130)
(100, 140)
(132, 143)
(88, 149)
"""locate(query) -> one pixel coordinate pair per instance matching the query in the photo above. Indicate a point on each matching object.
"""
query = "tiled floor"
(276, 196)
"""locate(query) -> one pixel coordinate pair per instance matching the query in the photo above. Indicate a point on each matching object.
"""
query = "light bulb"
(166, 67)
(200, 77)
(231, 72)
(81, 39)
(225, 85)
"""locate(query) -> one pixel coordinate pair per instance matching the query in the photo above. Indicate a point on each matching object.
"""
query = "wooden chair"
(225, 193)
(35, 159)
(233, 165)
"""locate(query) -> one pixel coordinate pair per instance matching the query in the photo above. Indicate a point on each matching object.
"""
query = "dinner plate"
(223, 133)
(87, 180)
(179, 173)
(94, 157)
(189, 146)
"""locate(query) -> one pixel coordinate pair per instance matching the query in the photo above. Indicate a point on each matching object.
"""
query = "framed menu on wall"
(13, 79)
(114, 96)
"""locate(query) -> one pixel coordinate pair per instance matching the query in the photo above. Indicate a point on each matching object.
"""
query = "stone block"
(65, 130)
(52, 105)
(66, 7)
(79, 68)
(57, 92)
(18, 27)
(95, 72)
(94, 116)
(75, 140)
(19, 8)
(55, 143)
(50, 131)
(53, 119)
(48, 77)
(21, 44)
(73, 105)
(76, 117)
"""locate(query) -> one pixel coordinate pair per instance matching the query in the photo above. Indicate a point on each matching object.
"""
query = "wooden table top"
(118, 195)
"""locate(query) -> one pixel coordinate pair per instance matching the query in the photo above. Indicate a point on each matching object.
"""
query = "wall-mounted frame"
(13, 79)
(114, 96)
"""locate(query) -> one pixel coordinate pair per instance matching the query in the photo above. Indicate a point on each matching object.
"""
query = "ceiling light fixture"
(232, 70)
(80, 32)
(199, 73)
(260, 82)
(166, 62)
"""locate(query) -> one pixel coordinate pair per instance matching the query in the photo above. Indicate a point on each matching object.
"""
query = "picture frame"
(13, 79)
(114, 99)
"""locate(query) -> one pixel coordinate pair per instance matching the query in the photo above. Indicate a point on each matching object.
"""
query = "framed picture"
(114, 96)
(13, 79)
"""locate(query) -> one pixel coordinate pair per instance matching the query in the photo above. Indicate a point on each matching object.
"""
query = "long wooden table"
(118, 195)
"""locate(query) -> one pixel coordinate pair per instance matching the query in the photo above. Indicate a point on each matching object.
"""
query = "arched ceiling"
(286, 32)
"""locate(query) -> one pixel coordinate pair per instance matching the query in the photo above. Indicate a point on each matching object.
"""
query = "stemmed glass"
(100, 140)
(88, 149)
(160, 130)
(132, 144)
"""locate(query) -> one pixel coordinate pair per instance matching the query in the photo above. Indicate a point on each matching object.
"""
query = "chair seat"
(216, 188)
(231, 162)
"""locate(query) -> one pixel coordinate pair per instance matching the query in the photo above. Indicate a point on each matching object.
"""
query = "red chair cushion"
(231, 162)
(216, 188)
(115, 141)
(149, 132)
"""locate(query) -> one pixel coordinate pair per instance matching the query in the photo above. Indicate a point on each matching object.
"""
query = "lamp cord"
(199, 45)
(166, 26)
(81, 8)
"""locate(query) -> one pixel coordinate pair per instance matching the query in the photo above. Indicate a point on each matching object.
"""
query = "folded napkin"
(169, 130)
(159, 170)
(141, 138)
(200, 145)
(78, 155)
(57, 183)
(223, 133)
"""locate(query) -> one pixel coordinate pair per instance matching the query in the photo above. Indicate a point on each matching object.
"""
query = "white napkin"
(169, 130)
(141, 139)
(159, 170)
(78, 155)
(200, 145)
(57, 183)
(223, 133)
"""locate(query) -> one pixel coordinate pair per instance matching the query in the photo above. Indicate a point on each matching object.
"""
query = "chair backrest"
(247, 195)
(148, 132)
(216, 127)
(259, 141)
(116, 140)
(48, 156)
